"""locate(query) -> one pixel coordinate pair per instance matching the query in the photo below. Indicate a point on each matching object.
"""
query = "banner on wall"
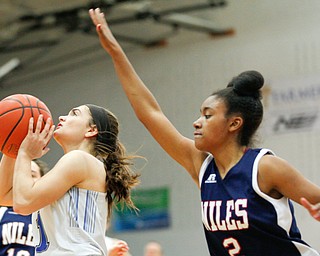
(153, 205)
(291, 106)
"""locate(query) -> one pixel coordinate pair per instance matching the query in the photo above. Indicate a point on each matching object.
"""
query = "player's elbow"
(21, 207)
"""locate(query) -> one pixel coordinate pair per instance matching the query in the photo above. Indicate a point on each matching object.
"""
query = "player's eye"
(73, 112)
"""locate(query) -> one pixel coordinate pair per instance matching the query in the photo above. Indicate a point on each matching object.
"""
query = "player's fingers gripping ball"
(15, 113)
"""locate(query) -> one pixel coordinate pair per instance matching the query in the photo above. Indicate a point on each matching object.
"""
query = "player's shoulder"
(271, 160)
(79, 155)
(75, 162)
(76, 152)
(272, 167)
(80, 161)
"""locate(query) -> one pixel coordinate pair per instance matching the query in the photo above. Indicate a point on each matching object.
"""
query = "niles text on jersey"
(229, 215)
(12, 232)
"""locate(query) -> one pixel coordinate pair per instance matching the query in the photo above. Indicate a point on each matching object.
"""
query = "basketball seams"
(16, 112)
(23, 107)
(14, 99)
(30, 105)
(39, 112)
(12, 130)
(11, 110)
(17, 123)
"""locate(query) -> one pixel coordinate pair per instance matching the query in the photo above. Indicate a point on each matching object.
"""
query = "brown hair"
(120, 178)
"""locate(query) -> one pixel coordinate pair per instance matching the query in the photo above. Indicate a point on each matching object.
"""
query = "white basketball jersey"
(73, 225)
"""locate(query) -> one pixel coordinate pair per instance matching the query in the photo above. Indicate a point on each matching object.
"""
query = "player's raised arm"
(145, 105)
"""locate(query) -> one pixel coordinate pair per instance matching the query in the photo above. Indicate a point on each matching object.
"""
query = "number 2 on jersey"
(232, 246)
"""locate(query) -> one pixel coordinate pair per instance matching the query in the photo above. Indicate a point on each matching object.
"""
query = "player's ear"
(92, 131)
(236, 123)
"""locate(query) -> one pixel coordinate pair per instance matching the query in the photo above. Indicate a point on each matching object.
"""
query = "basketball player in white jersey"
(72, 202)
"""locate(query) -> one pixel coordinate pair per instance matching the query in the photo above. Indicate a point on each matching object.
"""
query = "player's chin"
(56, 134)
(198, 144)
(57, 138)
(201, 145)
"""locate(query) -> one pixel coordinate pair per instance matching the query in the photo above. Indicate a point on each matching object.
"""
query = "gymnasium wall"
(281, 39)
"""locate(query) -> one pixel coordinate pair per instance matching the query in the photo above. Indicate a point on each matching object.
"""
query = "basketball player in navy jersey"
(16, 237)
(245, 191)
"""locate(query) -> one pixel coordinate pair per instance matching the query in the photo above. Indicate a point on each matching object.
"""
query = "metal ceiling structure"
(46, 22)
(73, 16)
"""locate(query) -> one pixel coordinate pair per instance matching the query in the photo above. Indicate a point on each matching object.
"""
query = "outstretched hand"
(313, 209)
(107, 39)
(36, 141)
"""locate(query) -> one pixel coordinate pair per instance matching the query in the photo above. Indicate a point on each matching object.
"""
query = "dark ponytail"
(243, 97)
(248, 84)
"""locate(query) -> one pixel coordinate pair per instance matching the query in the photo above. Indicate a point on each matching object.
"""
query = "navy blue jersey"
(239, 219)
(16, 237)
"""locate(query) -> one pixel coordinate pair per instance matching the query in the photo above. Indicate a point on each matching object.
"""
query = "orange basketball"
(15, 113)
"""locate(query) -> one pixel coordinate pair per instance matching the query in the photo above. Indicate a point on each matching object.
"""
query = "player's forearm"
(6, 178)
(22, 184)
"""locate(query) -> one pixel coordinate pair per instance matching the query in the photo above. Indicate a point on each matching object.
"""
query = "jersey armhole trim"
(281, 205)
(2, 211)
(203, 168)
